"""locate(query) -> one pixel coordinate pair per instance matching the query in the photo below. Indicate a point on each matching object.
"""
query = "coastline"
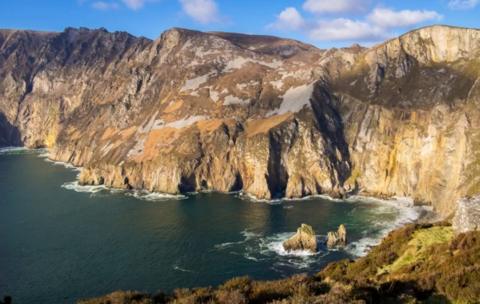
(403, 205)
(408, 211)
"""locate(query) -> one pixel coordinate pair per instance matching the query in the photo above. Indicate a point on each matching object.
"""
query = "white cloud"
(342, 29)
(289, 18)
(104, 6)
(203, 11)
(462, 4)
(334, 6)
(378, 25)
(134, 4)
(387, 18)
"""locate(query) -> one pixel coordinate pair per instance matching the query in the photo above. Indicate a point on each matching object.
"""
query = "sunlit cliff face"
(272, 117)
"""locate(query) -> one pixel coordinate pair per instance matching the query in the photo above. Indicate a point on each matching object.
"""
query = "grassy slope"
(415, 264)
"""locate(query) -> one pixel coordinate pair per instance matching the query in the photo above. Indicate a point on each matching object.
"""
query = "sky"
(324, 23)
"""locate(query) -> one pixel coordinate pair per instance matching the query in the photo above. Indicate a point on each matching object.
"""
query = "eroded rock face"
(269, 116)
(467, 216)
(337, 238)
(304, 239)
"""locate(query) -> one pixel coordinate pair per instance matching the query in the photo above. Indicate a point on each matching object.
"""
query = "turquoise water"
(58, 245)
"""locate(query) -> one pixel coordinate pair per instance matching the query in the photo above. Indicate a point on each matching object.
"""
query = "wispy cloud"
(387, 18)
(202, 11)
(462, 4)
(335, 6)
(373, 26)
(289, 18)
(105, 6)
(342, 29)
(134, 4)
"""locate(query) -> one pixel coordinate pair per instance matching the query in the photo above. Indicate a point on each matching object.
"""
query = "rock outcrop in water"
(337, 238)
(304, 239)
(396, 271)
(269, 116)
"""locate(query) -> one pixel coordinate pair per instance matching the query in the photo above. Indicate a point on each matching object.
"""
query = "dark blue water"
(58, 245)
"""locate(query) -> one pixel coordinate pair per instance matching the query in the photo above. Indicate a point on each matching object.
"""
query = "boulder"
(304, 239)
(467, 215)
(338, 238)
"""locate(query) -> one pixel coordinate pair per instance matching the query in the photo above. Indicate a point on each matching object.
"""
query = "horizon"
(316, 22)
(239, 33)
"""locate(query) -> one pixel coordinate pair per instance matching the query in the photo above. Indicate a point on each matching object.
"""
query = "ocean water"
(60, 242)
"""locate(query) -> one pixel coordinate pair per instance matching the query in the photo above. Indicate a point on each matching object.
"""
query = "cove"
(58, 245)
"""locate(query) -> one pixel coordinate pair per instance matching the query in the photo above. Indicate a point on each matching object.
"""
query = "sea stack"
(304, 239)
(338, 238)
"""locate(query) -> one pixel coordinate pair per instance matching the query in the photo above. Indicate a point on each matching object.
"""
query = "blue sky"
(325, 23)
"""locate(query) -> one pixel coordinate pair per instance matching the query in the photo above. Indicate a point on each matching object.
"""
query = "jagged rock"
(338, 238)
(272, 117)
(304, 239)
(467, 216)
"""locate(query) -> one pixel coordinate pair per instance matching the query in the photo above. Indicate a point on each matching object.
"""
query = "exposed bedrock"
(273, 117)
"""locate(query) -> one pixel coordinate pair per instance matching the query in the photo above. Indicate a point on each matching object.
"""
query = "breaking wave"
(381, 218)
(258, 247)
(406, 213)
(64, 164)
(154, 196)
(75, 186)
(138, 194)
(181, 269)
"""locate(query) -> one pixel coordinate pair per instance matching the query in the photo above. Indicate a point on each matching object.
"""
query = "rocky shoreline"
(269, 116)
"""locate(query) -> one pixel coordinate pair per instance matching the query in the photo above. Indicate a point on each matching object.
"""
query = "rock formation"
(272, 117)
(304, 239)
(467, 216)
(337, 238)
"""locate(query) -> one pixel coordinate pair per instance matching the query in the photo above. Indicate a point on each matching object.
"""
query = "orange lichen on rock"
(127, 133)
(108, 133)
(157, 141)
(264, 125)
(206, 126)
(173, 106)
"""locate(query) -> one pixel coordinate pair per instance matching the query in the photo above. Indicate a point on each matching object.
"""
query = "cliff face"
(273, 117)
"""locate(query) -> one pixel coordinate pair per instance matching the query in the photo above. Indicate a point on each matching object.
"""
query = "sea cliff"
(272, 117)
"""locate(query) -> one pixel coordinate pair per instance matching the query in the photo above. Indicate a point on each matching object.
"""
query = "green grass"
(417, 247)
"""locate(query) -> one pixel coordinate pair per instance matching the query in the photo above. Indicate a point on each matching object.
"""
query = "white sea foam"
(75, 186)
(248, 235)
(60, 163)
(395, 213)
(19, 150)
(275, 244)
(44, 154)
(176, 267)
(139, 194)
(227, 244)
(406, 213)
(252, 198)
(277, 201)
(154, 196)
(258, 247)
(298, 259)
(12, 150)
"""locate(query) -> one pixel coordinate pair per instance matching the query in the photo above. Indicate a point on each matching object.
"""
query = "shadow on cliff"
(330, 125)
(9, 134)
